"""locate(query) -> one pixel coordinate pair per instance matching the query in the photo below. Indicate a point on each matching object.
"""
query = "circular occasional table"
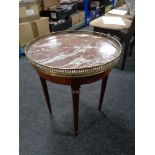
(73, 58)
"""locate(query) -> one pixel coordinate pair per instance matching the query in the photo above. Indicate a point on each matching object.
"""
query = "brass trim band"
(75, 72)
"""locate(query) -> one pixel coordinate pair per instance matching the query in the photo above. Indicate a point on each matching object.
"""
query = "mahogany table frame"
(75, 83)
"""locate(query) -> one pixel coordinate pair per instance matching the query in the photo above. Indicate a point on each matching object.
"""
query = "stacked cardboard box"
(49, 3)
(108, 8)
(120, 3)
(40, 26)
(77, 17)
(32, 29)
(28, 11)
(25, 33)
(31, 25)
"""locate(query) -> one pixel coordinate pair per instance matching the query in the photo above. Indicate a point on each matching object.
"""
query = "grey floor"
(110, 132)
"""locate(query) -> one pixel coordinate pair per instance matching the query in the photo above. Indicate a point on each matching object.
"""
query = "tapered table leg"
(103, 87)
(44, 86)
(131, 47)
(75, 98)
(126, 49)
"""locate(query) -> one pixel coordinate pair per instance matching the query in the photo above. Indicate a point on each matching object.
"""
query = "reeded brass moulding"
(75, 73)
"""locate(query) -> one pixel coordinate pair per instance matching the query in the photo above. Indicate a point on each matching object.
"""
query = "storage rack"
(86, 22)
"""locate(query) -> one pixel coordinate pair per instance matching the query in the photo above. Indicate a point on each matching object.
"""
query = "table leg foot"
(75, 99)
(44, 86)
(126, 49)
(76, 134)
(103, 87)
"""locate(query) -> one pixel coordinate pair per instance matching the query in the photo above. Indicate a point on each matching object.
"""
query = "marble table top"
(77, 53)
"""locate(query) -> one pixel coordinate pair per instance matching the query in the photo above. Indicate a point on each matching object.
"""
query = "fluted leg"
(75, 98)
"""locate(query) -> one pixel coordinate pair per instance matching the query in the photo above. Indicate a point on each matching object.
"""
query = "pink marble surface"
(73, 51)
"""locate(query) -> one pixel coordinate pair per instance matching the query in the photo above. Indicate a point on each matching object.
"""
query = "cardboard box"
(40, 4)
(93, 5)
(75, 18)
(25, 33)
(107, 8)
(22, 12)
(81, 16)
(28, 12)
(27, 4)
(33, 29)
(29, 18)
(25, 11)
(49, 3)
(41, 26)
(120, 3)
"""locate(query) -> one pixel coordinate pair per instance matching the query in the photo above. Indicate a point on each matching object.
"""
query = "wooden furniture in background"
(122, 26)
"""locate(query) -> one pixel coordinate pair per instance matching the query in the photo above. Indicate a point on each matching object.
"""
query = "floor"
(110, 132)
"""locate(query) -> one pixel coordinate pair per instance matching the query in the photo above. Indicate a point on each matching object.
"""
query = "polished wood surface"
(75, 84)
(71, 81)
